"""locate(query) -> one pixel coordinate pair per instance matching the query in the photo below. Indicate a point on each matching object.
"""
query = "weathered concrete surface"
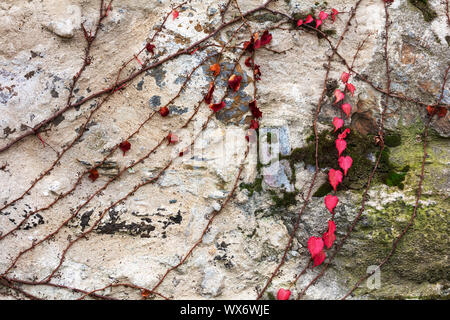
(41, 48)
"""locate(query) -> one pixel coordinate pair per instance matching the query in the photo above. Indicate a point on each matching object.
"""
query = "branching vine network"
(287, 22)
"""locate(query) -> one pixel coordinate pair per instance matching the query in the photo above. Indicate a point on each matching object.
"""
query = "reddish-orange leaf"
(255, 110)
(125, 146)
(145, 293)
(93, 174)
(234, 82)
(431, 110)
(442, 111)
(164, 111)
(217, 106)
(208, 97)
(216, 69)
(248, 45)
(175, 14)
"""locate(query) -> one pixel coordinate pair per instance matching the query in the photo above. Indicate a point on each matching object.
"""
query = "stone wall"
(42, 48)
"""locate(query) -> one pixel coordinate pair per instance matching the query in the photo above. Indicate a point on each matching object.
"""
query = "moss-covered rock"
(420, 260)
(428, 13)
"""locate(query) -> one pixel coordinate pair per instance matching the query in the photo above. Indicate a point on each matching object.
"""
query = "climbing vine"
(319, 247)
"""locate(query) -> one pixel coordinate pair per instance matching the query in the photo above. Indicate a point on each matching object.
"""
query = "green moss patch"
(419, 258)
(428, 13)
(363, 152)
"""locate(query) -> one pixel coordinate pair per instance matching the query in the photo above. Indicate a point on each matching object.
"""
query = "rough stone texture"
(41, 48)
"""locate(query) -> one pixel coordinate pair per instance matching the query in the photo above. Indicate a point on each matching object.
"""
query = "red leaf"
(175, 14)
(266, 38)
(93, 174)
(234, 82)
(350, 88)
(331, 202)
(341, 145)
(309, 19)
(257, 44)
(125, 146)
(249, 62)
(319, 258)
(318, 23)
(208, 97)
(442, 111)
(338, 123)
(431, 110)
(249, 45)
(164, 111)
(172, 138)
(343, 135)
(345, 163)
(315, 246)
(333, 15)
(335, 177)
(217, 106)
(299, 22)
(331, 226)
(255, 110)
(283, 294)
(347, 108)
(328, 238)
(339, 95)
(323, 15)
(150, 48)
(254, 124)
(345, 76)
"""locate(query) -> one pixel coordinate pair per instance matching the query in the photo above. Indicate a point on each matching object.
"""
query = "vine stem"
(77, 183)
(311, 186)
(208, 225)
(380, 133)
(419, 194)
(123, 82)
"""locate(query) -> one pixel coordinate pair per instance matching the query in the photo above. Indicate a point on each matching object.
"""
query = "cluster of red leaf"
(322, 17)
(440, 111)
(256, 42)
(316, 244)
